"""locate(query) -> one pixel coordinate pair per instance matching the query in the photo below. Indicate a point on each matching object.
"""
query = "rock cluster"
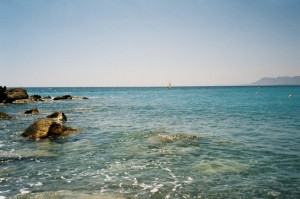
(20, 96)
(42, 128)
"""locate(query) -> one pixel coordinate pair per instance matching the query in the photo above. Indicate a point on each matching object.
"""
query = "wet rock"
(69, 97)
(36, 98)
(85, 98)
(32, 111)
(59, 116)
(64, 97)
(16, 94)
(4, 116)
(44, 128)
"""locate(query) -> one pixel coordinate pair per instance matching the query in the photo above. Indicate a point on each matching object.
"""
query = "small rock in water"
(36, 98)
(44, 128)
(60, 116)
(4, 116)
(32, 111)
(64, 97)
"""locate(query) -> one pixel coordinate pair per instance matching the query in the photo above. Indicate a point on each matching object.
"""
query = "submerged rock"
(59, 116)
(32, 111)
(25, 153)
(164, 138)
(64, 97)
(44, 128)
(4, 116)
(219, 166)
(16, 94)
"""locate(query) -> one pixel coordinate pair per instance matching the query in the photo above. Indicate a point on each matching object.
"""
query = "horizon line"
(177, 86)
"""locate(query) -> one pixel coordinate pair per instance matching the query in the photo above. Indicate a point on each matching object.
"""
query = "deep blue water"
(247, 145)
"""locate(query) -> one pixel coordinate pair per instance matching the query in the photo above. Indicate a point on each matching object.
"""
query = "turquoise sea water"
(247, 145)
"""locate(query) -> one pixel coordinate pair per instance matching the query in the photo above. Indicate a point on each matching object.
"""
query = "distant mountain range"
(270, 81)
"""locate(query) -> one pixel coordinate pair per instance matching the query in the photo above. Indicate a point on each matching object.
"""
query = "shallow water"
(140, 143)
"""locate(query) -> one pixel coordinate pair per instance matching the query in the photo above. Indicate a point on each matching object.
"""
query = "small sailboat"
(169, 85)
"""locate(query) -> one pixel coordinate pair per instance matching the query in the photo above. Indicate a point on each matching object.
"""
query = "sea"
(155, 142)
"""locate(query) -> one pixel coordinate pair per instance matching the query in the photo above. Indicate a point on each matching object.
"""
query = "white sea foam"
(38, 184)
(24, 191)
(189, 180)
(108, 178)
(156, 188)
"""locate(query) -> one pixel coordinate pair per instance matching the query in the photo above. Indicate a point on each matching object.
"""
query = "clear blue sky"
(147, 42)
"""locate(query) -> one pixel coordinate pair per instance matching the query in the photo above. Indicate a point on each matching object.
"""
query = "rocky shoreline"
(42, 128)
(20, 96)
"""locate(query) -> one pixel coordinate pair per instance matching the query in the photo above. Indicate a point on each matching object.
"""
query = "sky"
(147, 42)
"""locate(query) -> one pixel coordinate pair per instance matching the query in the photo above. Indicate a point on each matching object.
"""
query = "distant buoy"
(290, 95)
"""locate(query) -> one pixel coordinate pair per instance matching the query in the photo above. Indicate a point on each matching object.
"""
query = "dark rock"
(44, 128)
(15, 94)
(4, 116)
(47, 97)
(32, 111)
(2, 94)
(35, 97)
(59, 116)
(85, 98)
(64, 97)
